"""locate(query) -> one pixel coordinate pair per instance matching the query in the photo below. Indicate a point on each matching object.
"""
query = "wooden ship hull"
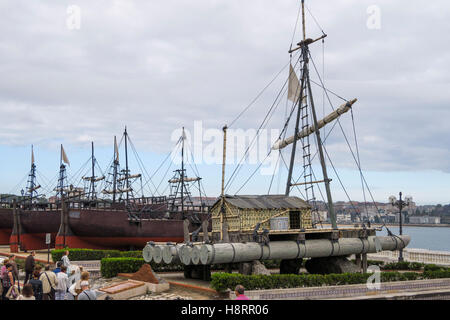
(6, 225)
(29, 227)
(106, 228)
(93, 228)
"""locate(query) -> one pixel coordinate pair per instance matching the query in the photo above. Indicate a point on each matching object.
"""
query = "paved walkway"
(41, 255)
(350, 291)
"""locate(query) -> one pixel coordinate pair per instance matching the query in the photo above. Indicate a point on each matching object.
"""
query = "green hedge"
(85, 254)
(223, 281)
(403, 265)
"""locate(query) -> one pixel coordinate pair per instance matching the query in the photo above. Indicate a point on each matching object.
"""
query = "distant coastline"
(396, 225)
(413, 225)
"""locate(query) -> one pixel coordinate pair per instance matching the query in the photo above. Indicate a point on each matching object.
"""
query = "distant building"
(424, 220)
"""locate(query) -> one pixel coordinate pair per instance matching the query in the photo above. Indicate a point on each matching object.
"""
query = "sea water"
(431, 238)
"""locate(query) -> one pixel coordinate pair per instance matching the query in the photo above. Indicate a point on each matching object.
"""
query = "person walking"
(49, 283)
(29, 266)
(58, 267)
(87, 293)
(38, 268)
(2, 272)
(65, 259)
(63, 283)
(15, 271)
(7, 280)
(239, 291)
(36, 284)
(27, 293)
(75, 289)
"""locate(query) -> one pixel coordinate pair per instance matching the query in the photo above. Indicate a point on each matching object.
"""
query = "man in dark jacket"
(29, 266)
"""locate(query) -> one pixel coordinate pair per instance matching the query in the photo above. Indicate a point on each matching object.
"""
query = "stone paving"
(162, 296)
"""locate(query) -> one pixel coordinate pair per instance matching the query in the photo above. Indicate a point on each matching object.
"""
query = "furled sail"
(34, 189)
(280, 144)
(95, 180)
(105, 191)
(185, 180)
(133, 176)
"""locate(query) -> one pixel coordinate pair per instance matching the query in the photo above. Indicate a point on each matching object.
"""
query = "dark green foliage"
(437, 274)
(404, 265)
(223, 281)
(85, 254)
(433, 267)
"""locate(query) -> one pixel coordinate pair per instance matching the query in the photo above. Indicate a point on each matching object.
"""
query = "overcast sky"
(156, 66)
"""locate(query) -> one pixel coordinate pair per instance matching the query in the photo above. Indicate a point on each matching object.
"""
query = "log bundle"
(220, 253)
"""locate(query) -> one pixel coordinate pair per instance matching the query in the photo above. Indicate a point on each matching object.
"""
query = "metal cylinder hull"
(208, 254)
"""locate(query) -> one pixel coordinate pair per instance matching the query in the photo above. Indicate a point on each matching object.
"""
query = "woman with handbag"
(8, 283)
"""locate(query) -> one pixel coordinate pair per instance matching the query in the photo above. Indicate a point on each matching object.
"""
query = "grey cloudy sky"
(158, 65)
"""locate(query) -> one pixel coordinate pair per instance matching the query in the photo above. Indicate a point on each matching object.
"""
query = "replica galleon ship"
(79, 218)
(250, 228)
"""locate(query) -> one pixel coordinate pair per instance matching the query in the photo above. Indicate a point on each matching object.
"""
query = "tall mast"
(222, 192)
(304, 47)
(182, 174)
(92, 187)
(320, 148)
(303, 20)
(126, 163)
(116, 163)
(62, 169)
(32, 179)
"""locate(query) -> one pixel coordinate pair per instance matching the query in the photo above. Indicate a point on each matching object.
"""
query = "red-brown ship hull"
(111, 229)
(34, 227)
(6, 225)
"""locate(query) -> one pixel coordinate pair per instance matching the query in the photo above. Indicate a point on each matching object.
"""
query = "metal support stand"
(364, 262)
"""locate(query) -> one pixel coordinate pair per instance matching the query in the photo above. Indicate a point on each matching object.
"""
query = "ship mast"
(182, 174)
(306, 84)
(62, 175)
(31, 185)
(126, 164)
(116, 164)
(223, 235)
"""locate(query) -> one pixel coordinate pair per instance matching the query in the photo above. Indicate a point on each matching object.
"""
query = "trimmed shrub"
(433, 267)
(223, 281)
(110, 267)
(85, 254)
(437, 274)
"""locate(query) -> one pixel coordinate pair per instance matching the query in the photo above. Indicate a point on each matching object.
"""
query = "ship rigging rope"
(196, 171)
(164, 177)
(239, 166)
(259, 94)
(17, 186)
(283, 132)
(162, 164)
(349, 146)
(265, 121)
(359, 161)
(142, 167)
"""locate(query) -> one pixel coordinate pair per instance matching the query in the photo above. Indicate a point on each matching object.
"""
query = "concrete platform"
(124, 290)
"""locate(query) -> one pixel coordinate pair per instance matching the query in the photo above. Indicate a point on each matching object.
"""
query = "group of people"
(43, 285)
